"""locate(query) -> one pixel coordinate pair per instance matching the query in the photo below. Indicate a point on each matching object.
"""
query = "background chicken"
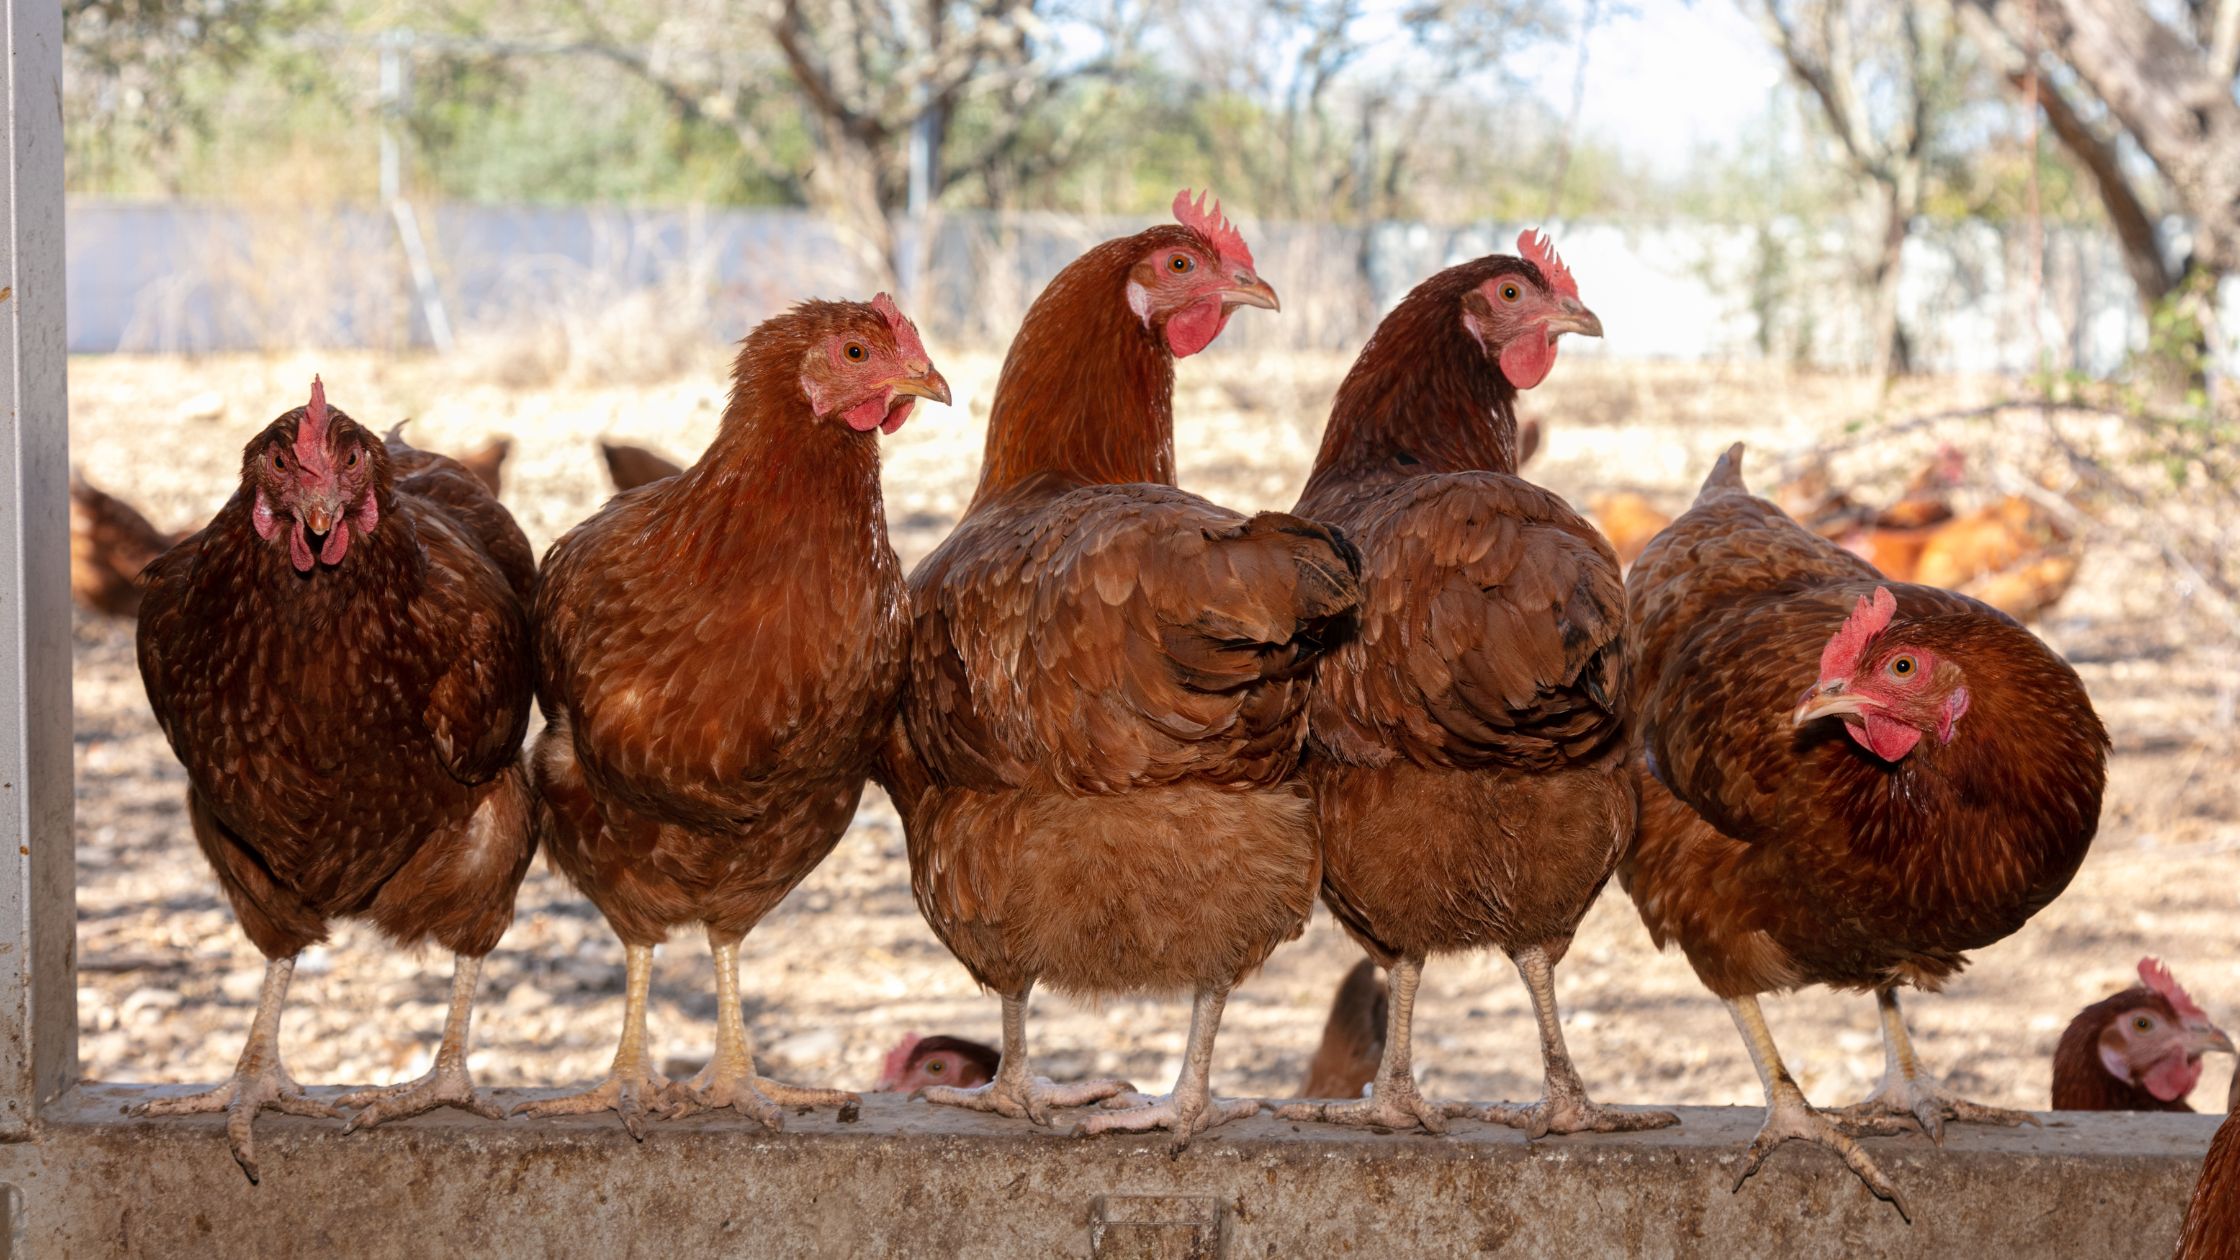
(1629, 520)
(110, 544)
(718, 653)
(341, 661)
(1468, 752)
(2137, 1050)
(632, 466)
(2212, 1225)
(1954, 796)
(1109, 679)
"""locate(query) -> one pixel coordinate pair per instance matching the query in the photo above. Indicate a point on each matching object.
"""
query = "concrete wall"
(909, 1179)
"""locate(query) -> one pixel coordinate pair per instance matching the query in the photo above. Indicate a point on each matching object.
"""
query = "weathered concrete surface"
(908, 1179)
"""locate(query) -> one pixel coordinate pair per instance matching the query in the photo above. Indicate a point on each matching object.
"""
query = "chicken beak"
(1571, 317)
(2204, 1038)
(318, 518)
(1250, 290)
(927, 384)
(1827, 699)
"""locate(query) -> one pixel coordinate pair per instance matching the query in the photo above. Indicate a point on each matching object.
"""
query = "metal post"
(396, 89)
(38, 990)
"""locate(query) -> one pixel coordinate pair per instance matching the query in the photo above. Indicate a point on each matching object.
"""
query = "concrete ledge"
(909, 1179)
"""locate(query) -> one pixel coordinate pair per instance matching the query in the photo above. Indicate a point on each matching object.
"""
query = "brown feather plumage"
(1467, 741)
(632, 466)
(1352, 1042)
(352, 734)
(1779, 857)
(110, 544)
(2212, 1225)
(1109, 679)
(718, 652)
(2081, 1082)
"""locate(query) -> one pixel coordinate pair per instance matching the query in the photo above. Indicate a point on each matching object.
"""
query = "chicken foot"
(730, 1080)
(1016, 1093)
(1191, 1108)
(1564, 1106)
(633, 1088)
(447, 1083)
(1393, 1101)
(259, 1080)
(1790, 1118)
(1909, 1091)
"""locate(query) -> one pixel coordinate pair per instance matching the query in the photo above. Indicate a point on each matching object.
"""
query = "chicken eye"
(279, 462)
(855, 352)
(352, 462)
(2143, 1024)
(1510, 292)
(1902, 667)
(1180, 263)
(936, 1068)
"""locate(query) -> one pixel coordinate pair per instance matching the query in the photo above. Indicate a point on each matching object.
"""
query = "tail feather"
(1352, 1045)
(634, 466)
(1726, 476)
(110, 543)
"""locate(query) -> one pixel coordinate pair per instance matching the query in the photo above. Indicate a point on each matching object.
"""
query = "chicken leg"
(1014, 1092)
(730, 1080)
(1790, 1118)
(259, 1080)
(1908, 1090)
(633, 1088)
(447, 1083)
(1393, 1101)
(1564, 1106)
(1190, 1109)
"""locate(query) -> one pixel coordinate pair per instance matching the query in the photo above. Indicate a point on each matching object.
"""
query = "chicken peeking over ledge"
(340, 659)
(718, 654)
(1468, 755)
(1846, 781)
(2137, 1050)
(1108, 683)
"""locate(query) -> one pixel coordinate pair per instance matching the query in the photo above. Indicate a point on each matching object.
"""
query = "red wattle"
(299, 548)
(1527, 359)
(2173, 1078)
(868, 414)
(1194, 327)
(895, 417)
(338, 542)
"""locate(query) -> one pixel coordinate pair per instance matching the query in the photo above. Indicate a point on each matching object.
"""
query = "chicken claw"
(1024, 1097)
(1566, 1112)
(757, 1097)
(1907, 1090)
(1790, 1118)
(632, 1095)
(1391, 1104)
(259, 1080)
(1188, 1112)
(445, 1085)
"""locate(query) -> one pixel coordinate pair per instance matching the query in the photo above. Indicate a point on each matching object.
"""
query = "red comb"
(898, 1059)
(2159, 979)
(311, 435)
(1867, 619)
(1541, 253)
(1227, 241)
(905, 332)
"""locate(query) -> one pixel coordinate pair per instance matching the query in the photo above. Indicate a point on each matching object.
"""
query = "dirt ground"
(845, 967)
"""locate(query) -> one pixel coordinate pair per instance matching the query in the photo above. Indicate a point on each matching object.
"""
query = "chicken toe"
(1191, 1108)
(1564, 1106)
(1908, 1091)
(259, 1080)
(730, 1080)
(633, 1090)
(1790, 1118)
(446, 1084)
(1394, 1102)
(1015, 1092)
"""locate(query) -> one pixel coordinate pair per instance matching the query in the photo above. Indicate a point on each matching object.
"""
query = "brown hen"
(1951, 798)
(1468, 756)
(1108, 683)
(632, 466)
(110, 544)
(341, 661)
(2138, 1050)
(718, 654)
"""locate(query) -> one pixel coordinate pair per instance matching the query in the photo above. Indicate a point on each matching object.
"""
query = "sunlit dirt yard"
(845, 967)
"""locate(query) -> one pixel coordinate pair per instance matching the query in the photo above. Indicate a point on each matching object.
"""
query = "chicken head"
(1188, 284)
(315, 473)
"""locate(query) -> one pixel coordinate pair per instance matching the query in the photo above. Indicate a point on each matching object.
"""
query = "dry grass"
(846, 966)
